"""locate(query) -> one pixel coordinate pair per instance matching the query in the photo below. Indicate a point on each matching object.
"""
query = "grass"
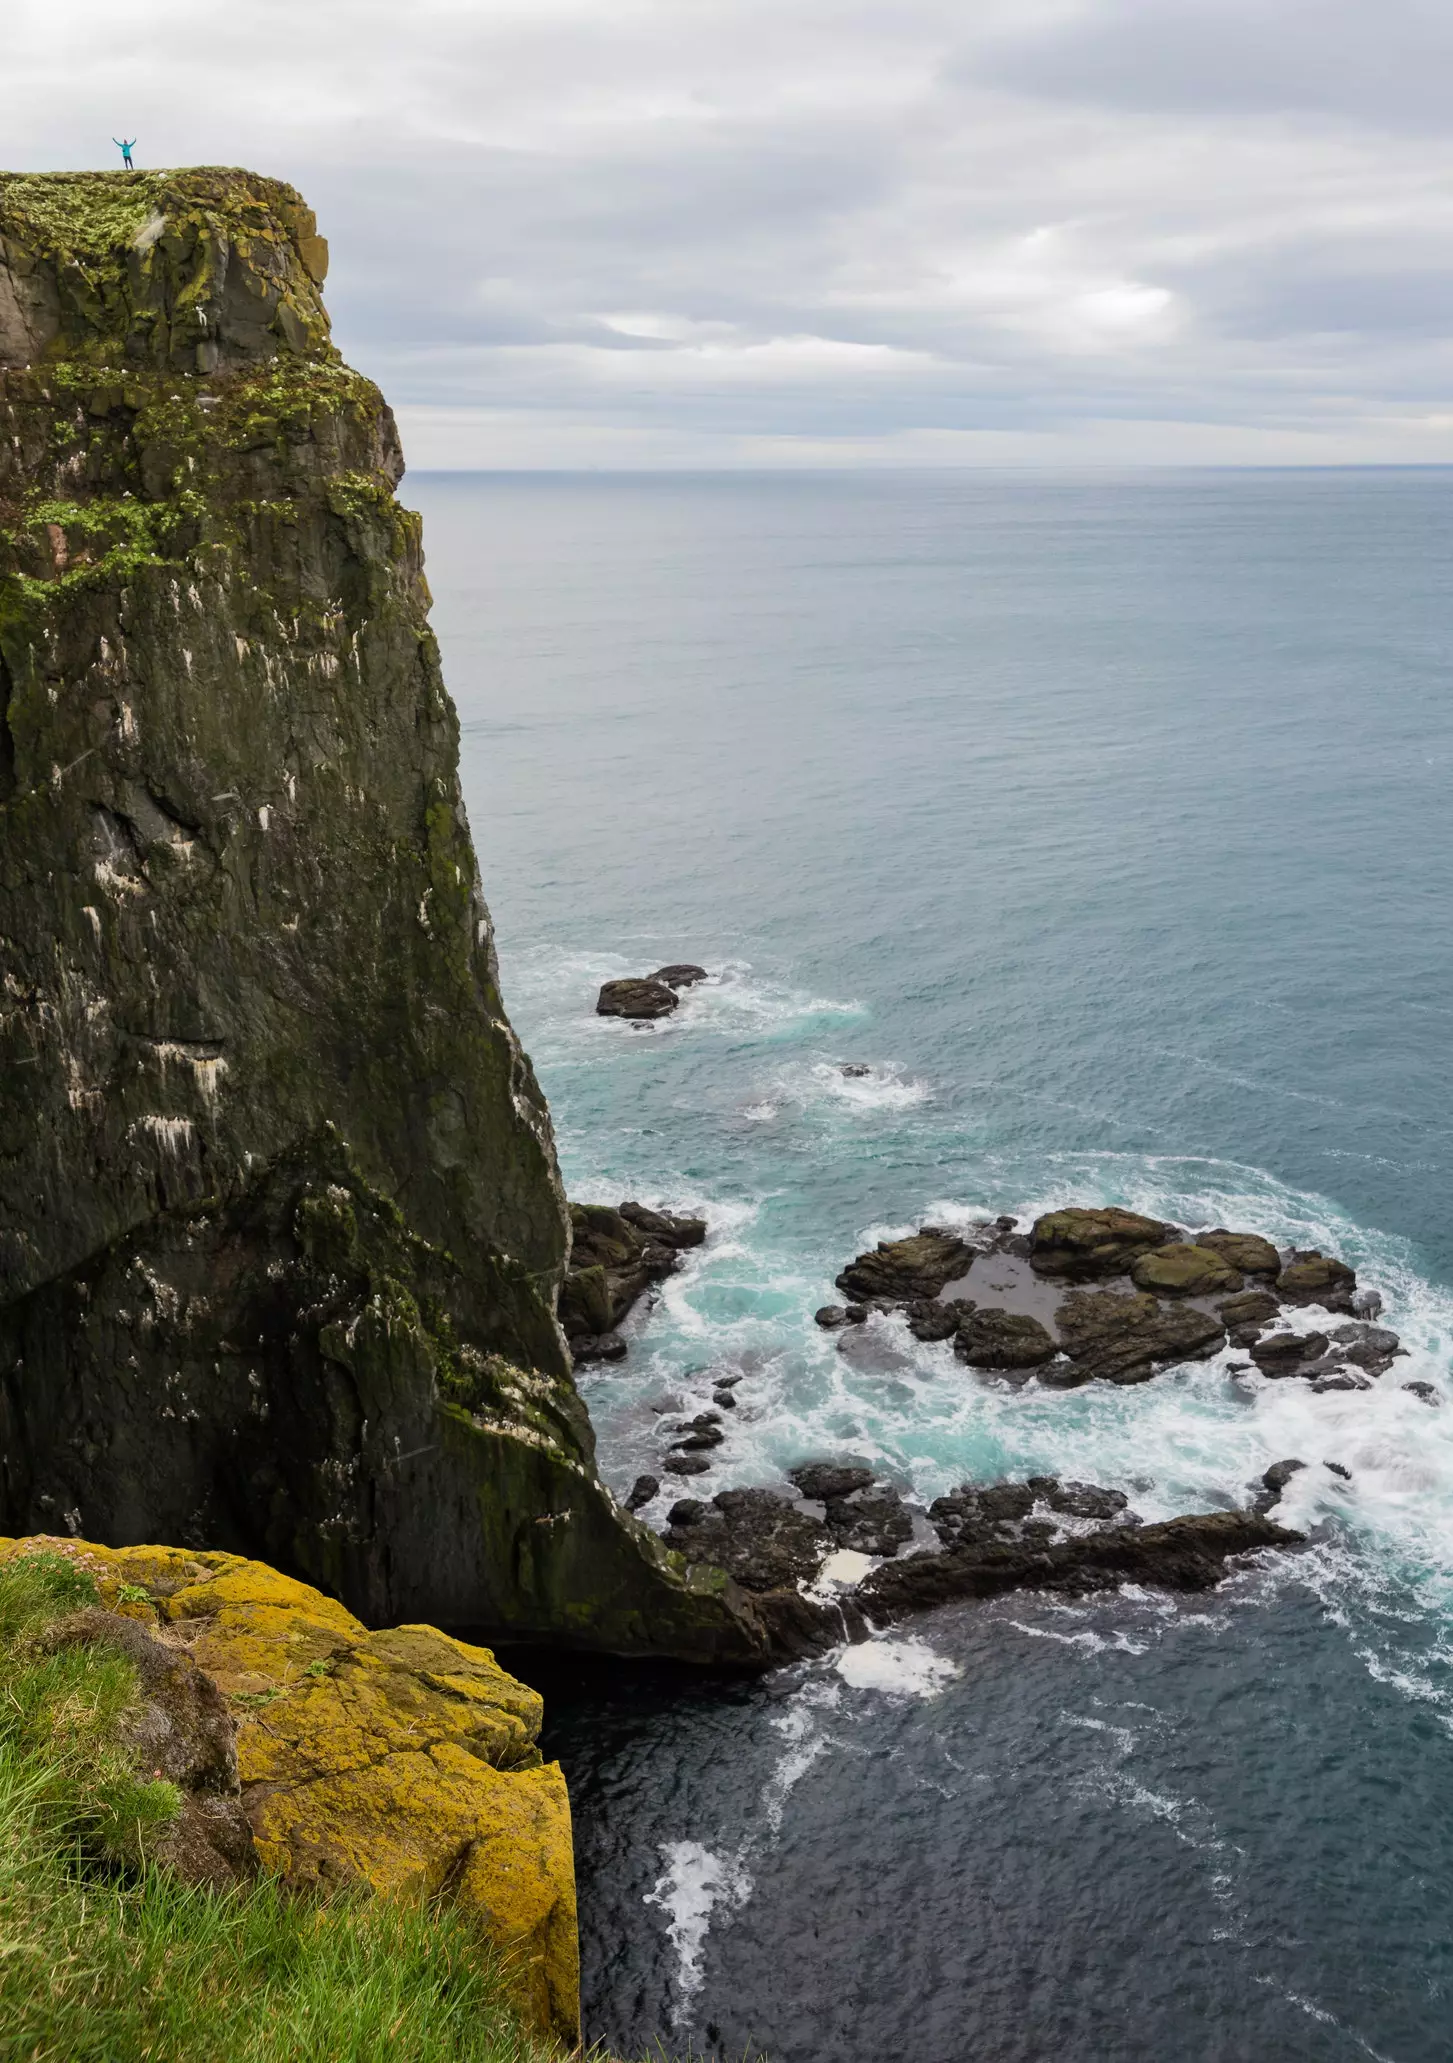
(107, 1958)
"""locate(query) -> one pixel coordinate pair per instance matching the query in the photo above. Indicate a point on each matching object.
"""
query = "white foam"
(901, 1668)
(845, 1568)
(693, 1885)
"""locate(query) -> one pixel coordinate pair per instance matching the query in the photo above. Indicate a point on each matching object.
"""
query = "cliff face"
(281, 1230)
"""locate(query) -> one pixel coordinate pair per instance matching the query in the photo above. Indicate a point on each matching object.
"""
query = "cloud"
(872, 231)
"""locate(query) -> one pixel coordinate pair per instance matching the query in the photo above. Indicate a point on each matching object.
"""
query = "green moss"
(88, 213)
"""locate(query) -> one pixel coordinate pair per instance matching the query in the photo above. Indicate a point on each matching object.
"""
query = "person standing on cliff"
(125, 149)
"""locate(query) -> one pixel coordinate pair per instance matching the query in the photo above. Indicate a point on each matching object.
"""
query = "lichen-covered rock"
(281, 1230)
(1185, 1270)
(402, 1760)
(1125, 1339)
(1081, 1245)
(903, 1270)
(1247, 1252)
(1314, 1278)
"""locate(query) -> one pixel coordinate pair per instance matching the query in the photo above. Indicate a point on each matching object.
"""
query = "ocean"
(1105, 820)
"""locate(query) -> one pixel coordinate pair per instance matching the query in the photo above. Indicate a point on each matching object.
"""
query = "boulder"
(1424, 1391)
(603, 1346)
(681, 974)
(1184, 1270)
(642, 1491)
(1315, 1278)
(831, 1316)
(1289, 1353)
(1251, 1307)
(402, 1762)
(686, 1464)
(854, 1070)
(1126, 1338)
(825, 1480)
(878, 1525)
(1247, 1252)
(1370, 1347)
(616, 1255)
(636, 998)
(761, 1539)
(901, 1271)
(1083, 1245)
(1003, 1339)
(1273, 1482)
(931, 1319)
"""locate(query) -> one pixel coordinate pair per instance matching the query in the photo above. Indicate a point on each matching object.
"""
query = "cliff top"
(191, 270)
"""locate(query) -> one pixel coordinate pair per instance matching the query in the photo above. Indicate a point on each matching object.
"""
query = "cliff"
(281, 1230)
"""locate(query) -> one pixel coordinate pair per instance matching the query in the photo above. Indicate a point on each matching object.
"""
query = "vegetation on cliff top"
(108, 1958)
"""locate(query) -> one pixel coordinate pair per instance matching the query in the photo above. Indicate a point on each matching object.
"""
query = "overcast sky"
(812, 232)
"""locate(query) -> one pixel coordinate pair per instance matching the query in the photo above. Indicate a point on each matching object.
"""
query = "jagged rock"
(686, 1464)
(1289, 1353)
(855, 1070)
(724, 1400)
(642, 1491)
(1181, 1554)
(681, 974)
(1247, 1252)
(1003, 1339)
(831, 1316)
(636, 998)
(1367, 1304)
(760, 1539)
(870, 1525)
(686, 1511)
(1184, 1270)
(1425, 1391)
(1253, 1307)
(900, 1271)
(1314, 1278)
(1337, 1469)
(281, 1229)
(930, 1319)
(1273, 1482)
(604, 1346)
(824, 1480)
(1081, 1245)
(615, 1257)
(376, 1760)
(1371, 1347)
(1120, 1338)
(1080, 1500)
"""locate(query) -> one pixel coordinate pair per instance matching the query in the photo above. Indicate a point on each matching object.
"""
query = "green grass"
(106, 1958)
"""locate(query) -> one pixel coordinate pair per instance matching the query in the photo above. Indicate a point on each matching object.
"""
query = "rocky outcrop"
(644, 996)
(1081, 1245)
(404, 1762)
(615, 1257)
(1120, 1338)
(899, 1270)
(281, 1232)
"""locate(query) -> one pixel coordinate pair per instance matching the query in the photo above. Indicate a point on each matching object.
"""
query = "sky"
(746, 233)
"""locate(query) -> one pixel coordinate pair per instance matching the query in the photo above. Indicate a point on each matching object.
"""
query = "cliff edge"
(281, 1229)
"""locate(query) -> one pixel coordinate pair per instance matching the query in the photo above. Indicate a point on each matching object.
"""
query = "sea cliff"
(281, 1229)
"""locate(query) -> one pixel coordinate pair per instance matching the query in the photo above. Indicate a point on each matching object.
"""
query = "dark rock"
(1080, 1245)
(680, 974)
(1367, 1304)
(1372, 1347)
(1254, 1307)
(686, 1511)
(1003, 1339)
(855, 1070)
(686, 1464)
(699, 1443)
(1247, 1252)
(1338, 1470)
(665, 1228)
(1125, 1339)
(1314, 1278)
(636, 998)
(856, 1314)
(930, 1319)
(831, 1316)
(642, 1491)
(1288, 1353)
(1184, 1270)
(1273, 1482)
(727, 1382)
(760, 1539)
(1078, 1500)
(615, 1257)
(1337, 1376)
(1181, 1554)
(1426, 1391)
(605, 1346)
(1005, 1224)
(870, 1525)
(725, 1399)
(826, 1480)
(900, 1271)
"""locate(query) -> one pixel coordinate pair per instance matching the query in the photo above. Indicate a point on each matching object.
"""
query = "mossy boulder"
(1080, 1245)
(1003, 1339)
(903, 1270)
(1311, 1277)
(404, 1761)
(1185, 1270)
(1246, 1251)
(1125, 1339)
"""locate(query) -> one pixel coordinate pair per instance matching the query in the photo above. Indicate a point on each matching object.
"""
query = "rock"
(831, 1316)
(384, 1761)
(1181, 1554)
(824, 1481)
(1337, 1377)
(724, 1399)
(281, 1223)
(1003, 1339)
(615, 1257)
(929, 1318)
(1184, 1271)
(636, 999)
(1288, 1353)
(1371, 1347)
(1119, 1338)
(1273, 1482)
(856, 1314)
(686, 1464)
(855, 1070)
(870, 1525)
(681, 974)
(699, 1442)
(1247, 1252)
(605, 1346)
(642, 1491)
(1080, 1245)
(665, 1228)
(900, 1271)
(1367, 1304)
(686, 1511)
(1078, 1500)
(1254, 1307)
(727, 1382)
(760, 1539)
(1425, 1390)
(1314, 1278)
(1338, 1470)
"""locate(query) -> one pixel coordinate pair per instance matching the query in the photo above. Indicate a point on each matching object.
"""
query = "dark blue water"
(1106, 821)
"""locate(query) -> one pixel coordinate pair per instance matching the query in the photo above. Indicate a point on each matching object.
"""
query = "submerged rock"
(1273, 1482)
(1125, 1339)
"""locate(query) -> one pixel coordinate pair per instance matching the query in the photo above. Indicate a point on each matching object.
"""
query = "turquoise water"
(1106, 821)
